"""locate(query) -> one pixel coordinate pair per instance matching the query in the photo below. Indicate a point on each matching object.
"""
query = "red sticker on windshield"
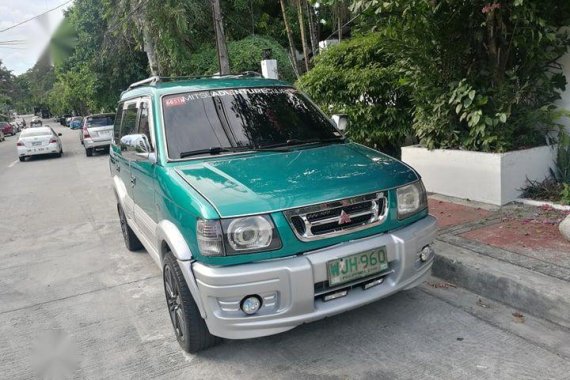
(172, 102)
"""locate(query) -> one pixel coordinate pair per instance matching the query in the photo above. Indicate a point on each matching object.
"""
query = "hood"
(273, 181)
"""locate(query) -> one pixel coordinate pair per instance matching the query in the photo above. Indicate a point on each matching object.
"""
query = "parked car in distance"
(260, 213)
(16, 126)
(76, 122)
(35, 122)
(39, 141)
(7, 128)
(97, 132)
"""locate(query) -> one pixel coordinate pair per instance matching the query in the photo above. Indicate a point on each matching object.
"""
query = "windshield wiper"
(213, 150)
(298, 142)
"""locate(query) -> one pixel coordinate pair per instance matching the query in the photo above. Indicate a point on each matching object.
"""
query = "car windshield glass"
(242, 117)
(100, 121)
(35, 132)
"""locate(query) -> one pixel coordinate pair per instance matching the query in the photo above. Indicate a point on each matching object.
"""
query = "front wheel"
(190, 329)
(22, 159)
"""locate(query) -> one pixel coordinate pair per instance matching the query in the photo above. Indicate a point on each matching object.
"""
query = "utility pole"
(221, 47)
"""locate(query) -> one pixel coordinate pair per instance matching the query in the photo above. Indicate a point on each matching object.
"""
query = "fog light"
(335, 295)
(250, 304)
(426, 253)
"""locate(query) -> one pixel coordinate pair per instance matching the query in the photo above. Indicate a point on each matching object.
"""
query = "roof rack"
(158, 79)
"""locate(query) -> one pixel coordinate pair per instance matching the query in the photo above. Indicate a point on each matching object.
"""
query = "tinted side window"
(129, 124)
(117, 124)
(144, 126)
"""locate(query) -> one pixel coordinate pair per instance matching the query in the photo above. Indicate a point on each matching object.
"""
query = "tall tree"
(221, 46)
(300, 6)
(289, 37)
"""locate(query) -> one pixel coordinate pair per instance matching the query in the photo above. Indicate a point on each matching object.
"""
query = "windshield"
(243, 117)
(35, 132)
(100, 121)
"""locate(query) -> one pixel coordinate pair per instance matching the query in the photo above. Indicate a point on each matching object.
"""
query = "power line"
(35, 17)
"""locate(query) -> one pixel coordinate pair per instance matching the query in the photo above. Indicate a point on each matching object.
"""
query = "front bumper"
(287, 286)
(102, 143)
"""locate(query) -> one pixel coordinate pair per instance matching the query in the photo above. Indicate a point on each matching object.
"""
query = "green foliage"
(481, 76)
(93, 66)
(245, 55)
(358, 77)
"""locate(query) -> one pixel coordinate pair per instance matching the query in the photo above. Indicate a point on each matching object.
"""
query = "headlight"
(411, 199)
(236, 236)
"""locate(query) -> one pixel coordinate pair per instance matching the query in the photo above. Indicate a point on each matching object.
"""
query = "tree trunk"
(312, 29)
(302, 28)
(221, 46)
(148, 47)
(290, 38)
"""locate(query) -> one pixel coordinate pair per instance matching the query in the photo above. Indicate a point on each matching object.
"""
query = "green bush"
(481, 76)
(245, 55)
(359, 78)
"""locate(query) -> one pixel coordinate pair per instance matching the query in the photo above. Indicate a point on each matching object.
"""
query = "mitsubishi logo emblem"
(344, 218)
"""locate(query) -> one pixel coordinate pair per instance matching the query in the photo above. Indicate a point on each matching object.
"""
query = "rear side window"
(129, 123)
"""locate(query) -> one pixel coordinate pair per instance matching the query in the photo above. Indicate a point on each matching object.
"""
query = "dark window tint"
(246, 117)
(129, 123)
(100, 121)
(117, 124)
(144, 127)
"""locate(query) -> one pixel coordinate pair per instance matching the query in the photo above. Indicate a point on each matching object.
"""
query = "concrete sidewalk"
(514, 254)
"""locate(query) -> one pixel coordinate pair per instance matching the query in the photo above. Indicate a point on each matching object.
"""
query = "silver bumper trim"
(293, 281)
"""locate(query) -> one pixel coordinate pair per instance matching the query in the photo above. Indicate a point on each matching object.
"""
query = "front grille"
(338, 217)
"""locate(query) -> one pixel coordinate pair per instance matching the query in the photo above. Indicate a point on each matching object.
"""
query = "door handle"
(133, 181)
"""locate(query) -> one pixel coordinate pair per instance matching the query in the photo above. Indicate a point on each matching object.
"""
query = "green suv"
(260, 213)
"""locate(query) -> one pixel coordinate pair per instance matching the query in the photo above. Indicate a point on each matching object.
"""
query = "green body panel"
(227, 185)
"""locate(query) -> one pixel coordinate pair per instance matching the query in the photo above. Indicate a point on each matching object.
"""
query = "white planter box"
(494, 178)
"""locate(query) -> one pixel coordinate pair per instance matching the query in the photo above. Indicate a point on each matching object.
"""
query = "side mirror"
(341, 121)
(59, 134)
(136, 147)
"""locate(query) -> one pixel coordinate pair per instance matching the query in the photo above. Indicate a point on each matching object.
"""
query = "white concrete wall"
(565, 101)
(517, 166)
(494, 178)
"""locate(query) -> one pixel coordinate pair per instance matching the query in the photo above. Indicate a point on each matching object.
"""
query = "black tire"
(89, 152)
(132, 242)
(22, 159)
(190, 329)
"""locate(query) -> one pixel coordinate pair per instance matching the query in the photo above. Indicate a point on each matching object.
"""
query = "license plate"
(357, 266)
(37, 143)
(105, 133)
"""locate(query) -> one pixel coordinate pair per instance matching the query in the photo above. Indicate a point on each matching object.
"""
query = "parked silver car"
(97, 132)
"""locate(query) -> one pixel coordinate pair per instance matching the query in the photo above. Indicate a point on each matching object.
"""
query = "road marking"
(13, 163)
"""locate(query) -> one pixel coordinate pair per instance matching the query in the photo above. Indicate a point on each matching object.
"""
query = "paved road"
(74, 302)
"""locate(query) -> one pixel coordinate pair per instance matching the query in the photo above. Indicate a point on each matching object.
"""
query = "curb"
(526, 290)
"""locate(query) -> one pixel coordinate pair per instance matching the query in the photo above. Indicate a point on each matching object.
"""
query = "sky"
(33, 36)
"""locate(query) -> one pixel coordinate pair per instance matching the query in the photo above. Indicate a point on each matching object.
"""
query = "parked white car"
(39, 141)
